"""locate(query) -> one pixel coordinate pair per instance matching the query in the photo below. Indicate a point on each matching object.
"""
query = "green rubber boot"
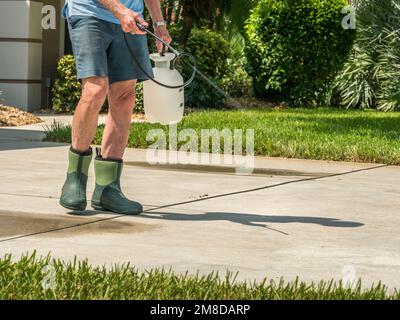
(73, 194)
(107, 195)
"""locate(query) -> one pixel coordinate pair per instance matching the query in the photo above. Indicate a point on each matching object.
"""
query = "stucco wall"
(21, 53)
(28, 54)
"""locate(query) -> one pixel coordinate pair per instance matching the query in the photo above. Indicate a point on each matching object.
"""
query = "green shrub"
(211, 51)
(237, 83)
(295, 48)
(370, 79)
(139, 107)
(67, 89)
(229, 73)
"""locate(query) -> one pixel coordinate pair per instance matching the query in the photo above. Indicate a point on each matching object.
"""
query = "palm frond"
(370, 79)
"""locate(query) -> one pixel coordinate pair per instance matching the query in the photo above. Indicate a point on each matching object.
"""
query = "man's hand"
(128, 22)
(126, 17)
(163, 33)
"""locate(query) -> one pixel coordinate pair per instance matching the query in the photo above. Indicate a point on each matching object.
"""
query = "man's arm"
(154, 7)
(127, 17)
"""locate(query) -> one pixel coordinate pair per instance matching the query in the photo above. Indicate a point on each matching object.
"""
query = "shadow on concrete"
(17, 139)
(248, 219)
(254, 220)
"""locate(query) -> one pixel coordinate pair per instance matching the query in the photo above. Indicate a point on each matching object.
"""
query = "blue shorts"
(100, 50)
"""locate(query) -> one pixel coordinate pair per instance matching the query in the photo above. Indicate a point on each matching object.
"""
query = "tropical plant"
(371, 77)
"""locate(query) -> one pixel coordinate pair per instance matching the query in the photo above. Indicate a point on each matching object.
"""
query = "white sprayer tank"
(164, 105)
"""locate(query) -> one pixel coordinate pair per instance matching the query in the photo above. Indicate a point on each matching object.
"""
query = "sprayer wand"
(179, 55)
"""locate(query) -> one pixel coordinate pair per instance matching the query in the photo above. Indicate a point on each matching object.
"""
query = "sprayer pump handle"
(141, 27)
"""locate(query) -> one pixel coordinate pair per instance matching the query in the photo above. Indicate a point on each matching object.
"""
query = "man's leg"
(108, 165)
(121, 99)
(84, 126)
(84, 123)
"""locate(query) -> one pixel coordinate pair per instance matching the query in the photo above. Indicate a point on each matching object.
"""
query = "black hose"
(179, 55)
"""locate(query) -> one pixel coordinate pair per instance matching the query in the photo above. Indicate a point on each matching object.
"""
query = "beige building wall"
(21, 53)
(28, 54)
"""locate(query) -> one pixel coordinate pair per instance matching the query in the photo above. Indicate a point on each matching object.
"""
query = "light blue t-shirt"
(93, 8)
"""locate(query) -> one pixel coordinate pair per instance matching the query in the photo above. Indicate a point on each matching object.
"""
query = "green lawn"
(23, 279)
(324, 133)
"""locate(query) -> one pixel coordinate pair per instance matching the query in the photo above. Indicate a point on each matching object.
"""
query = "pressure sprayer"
(164, 96)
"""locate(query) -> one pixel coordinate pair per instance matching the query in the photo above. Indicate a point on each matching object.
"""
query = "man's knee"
(123, 95)
(95, 90)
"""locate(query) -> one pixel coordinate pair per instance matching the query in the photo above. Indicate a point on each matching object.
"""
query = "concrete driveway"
(312, 219)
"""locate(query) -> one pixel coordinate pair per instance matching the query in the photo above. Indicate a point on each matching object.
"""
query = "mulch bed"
(12, 117)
